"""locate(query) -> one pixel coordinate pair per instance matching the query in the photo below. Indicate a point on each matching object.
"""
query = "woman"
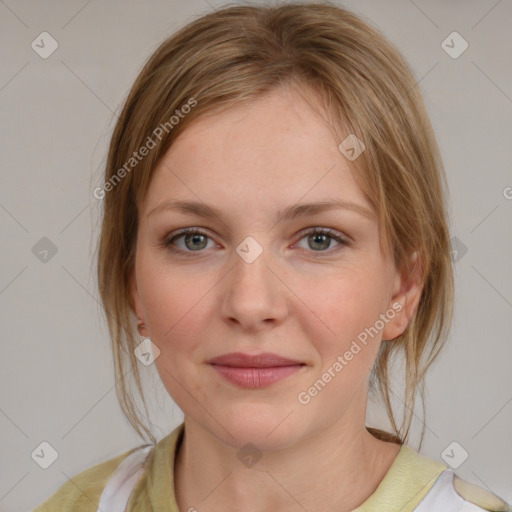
(275, 226)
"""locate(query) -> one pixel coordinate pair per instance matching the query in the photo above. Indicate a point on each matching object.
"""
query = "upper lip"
(241, 360)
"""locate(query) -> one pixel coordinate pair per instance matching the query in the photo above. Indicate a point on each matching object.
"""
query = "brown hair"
(237, 54)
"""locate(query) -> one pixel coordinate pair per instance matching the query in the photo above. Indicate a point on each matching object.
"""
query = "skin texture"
(303, 297)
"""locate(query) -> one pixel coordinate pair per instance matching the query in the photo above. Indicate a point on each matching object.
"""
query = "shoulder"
(82, 492)
(450, 492)
(427, 485)
(480, 497)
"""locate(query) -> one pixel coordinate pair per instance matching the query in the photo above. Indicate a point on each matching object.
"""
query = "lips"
(254, 371)
(265, 360)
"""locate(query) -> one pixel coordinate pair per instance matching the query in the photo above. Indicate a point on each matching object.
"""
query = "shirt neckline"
(407, 481)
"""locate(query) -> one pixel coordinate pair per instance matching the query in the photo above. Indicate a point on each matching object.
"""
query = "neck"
(338, 467)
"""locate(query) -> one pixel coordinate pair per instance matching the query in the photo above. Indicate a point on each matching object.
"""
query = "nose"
(253, 296)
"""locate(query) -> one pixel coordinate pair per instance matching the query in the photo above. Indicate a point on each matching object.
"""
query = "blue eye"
(195, 239)
(322, 238)
(192, 236)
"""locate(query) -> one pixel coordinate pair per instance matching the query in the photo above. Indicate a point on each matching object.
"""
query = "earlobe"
(407, 290)
(137, 308)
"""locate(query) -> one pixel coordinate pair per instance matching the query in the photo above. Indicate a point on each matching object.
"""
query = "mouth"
(264, 360)
(253, 378)
(254, 371)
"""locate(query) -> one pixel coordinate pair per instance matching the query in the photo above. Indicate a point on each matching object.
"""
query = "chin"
(269, 430)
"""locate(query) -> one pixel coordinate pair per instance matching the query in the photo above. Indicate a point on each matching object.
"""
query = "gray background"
(57, 115)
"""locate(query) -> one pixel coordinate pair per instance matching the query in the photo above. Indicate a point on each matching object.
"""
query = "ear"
(407, 289)
(135, 300)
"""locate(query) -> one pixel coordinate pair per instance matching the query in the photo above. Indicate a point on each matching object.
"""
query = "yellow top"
(406, 483)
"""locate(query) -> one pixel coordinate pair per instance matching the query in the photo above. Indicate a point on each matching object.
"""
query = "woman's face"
(255, 281)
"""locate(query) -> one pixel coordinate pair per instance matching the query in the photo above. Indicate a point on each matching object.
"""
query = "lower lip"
(253, 378)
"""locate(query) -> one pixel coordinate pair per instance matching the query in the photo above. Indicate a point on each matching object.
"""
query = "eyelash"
(168, 242)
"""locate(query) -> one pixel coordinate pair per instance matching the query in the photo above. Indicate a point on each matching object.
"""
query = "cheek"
(343, 310)
(175, 309)
(345, 343)
(174, 304)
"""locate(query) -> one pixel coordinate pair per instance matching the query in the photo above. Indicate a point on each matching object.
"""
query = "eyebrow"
(289, 213)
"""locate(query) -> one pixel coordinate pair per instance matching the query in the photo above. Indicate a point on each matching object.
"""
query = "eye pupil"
(325, 238)
(195, 238)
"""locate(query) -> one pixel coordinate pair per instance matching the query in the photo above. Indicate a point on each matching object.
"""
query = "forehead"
(275, 150)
